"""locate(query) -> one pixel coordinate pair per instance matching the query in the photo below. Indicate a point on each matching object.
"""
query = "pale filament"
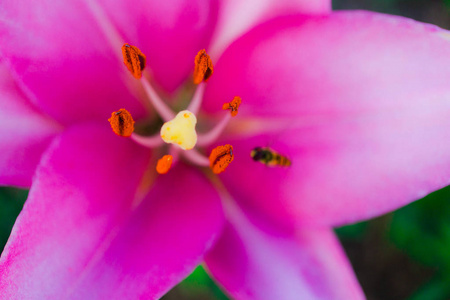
(108, 29)
(163, 110)
(175, 152)
(196, 158)
(196, 101)
(147, 141)
(114, 39)
(212, 135)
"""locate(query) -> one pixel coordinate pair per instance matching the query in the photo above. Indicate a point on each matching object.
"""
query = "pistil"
(181, 130)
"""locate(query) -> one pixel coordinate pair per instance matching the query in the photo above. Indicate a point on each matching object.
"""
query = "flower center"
(123, 124)
(177, 130)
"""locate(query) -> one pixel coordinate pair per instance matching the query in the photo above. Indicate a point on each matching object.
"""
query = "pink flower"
(359, 102)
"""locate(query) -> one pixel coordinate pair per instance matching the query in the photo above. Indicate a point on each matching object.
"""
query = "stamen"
(181, 130)
(196, 158)
(220, 158)
(213, 134)
(163, 110)
(112, 35)
(196, 101)
(164, 164)
(134, 59)
(113, 38)
(203, 67)
(152, 141)
(233, 106)
(122, 122)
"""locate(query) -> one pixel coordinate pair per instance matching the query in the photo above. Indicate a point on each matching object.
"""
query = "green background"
(402, 255)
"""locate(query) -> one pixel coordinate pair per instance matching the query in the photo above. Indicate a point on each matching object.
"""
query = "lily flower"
(343, 116)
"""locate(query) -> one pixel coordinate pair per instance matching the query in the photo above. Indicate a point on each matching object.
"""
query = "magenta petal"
(86, 233)
(251, 262)
(169, 33)
(82, 190)
(236, 16)
(358, 101)
(161, 243)
(64, 60)
(25, 134)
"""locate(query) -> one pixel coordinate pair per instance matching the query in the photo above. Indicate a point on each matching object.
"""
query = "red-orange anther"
(134, 59)
(164, 164)
(233, 106)
(122, 122)
(203, 67)
(220, 158)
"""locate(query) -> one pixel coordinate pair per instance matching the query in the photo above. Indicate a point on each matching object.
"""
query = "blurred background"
(402, 255)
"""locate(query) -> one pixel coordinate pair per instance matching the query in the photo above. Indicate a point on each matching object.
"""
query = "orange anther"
(203, 67)
(122, 122)
(233, 106)
(134, 59)
(164, 164)
(220, 158)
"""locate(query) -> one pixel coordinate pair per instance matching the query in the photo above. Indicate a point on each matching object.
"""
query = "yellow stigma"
(181, 130)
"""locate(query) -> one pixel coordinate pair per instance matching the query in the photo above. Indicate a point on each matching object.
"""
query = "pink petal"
(237, 16)
(170, 33)
(86, 233)
(358, 101)
(253, 262)
(63, 60)
(162, 242)
(25, 134)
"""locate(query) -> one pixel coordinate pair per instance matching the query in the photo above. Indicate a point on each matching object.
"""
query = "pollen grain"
(203, 67)
(164, 164)
(233, 106)
(134, 59)
(220, 158)
(122, 122)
